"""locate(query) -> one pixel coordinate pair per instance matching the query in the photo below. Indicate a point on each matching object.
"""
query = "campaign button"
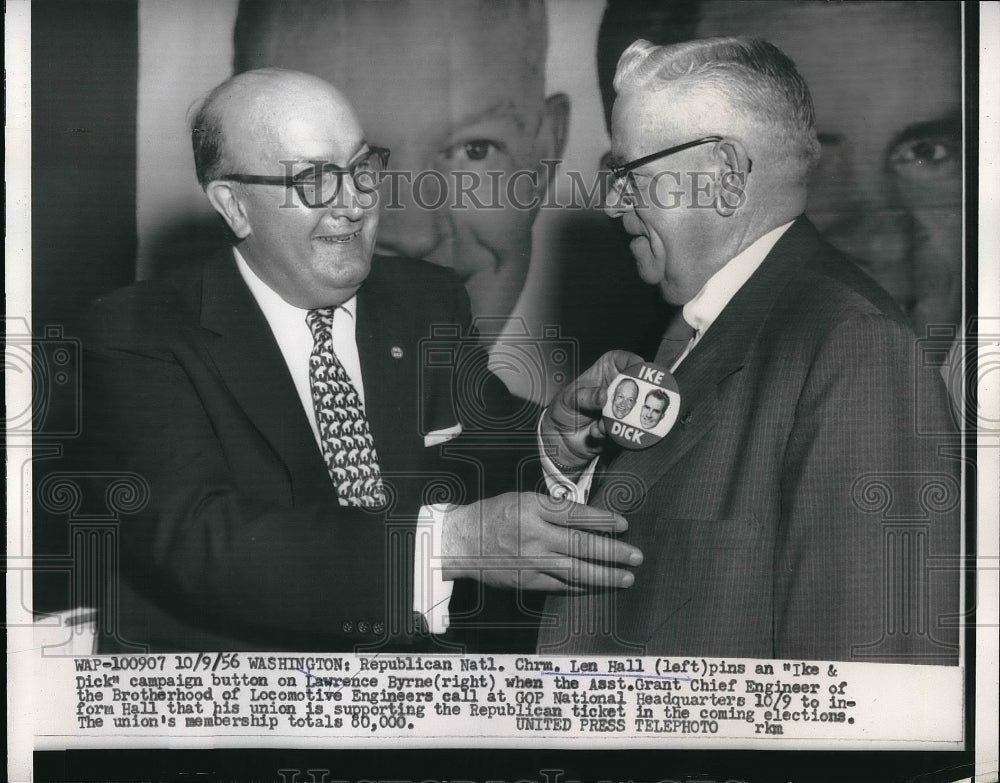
(642, 406)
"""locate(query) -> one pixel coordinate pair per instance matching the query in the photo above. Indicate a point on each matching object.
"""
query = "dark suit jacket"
(799, 508)
(242, 543)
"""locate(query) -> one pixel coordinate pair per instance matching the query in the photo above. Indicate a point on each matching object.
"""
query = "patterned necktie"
(347, 443)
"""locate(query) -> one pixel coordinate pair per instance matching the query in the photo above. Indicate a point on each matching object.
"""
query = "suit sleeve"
(498, 428)
(497, 453)
(870, 509)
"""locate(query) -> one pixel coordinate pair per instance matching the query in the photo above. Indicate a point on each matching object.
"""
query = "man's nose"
(857, 208)
(881, 241)
(412, 216)
(617, 201)
(351, 202)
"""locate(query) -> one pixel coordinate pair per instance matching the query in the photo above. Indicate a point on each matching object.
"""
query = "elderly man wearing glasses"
(280, 406)
(804, 507)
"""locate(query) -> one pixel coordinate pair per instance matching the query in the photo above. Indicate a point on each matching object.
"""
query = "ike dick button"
(642, 407)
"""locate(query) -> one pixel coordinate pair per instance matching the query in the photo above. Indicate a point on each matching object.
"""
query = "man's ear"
(551, 139)
(730, 192)
(226, 201)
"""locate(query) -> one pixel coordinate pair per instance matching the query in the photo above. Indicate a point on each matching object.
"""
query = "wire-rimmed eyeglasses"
(622, 173)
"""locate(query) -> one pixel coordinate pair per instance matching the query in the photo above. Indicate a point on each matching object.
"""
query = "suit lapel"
(251, 366)
(386, 355)
(716, 361)
(706, 378)
(697, 378)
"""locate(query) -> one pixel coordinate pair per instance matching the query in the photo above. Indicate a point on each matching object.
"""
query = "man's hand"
(572, 430)
(538, 543)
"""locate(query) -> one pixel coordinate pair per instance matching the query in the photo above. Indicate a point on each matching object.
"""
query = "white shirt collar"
(276, 309)
(721, 287)
(295, 339)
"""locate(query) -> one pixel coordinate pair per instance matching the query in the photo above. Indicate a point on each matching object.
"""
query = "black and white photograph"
(328, 457)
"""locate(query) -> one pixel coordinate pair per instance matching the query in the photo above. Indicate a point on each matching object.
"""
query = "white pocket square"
(438, 437)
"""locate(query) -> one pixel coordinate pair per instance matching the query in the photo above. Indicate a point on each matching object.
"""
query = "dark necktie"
(345, 438)
(675, 339)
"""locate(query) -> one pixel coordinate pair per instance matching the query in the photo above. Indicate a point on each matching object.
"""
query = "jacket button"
(363, 627)
(348, 627)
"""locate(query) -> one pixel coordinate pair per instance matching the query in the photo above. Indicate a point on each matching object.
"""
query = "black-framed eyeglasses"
(319, 184)
(623, 173)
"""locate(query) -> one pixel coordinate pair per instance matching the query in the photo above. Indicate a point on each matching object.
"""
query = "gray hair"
(758, 81)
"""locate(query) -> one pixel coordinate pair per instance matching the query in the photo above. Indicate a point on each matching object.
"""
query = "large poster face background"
(518, 85)
(507, 87)
(886, 80)
(464, 88)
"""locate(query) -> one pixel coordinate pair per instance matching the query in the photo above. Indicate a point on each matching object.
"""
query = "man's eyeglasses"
(622, 174)
(319, 185)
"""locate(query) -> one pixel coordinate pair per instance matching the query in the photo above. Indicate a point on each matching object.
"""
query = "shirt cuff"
(431, 591)
(561, 487)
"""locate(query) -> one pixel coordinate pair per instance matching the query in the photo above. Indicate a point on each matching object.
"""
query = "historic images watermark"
(521, 189)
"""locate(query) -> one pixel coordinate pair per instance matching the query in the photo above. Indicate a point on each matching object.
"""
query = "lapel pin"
(643, 403)
(396, 352)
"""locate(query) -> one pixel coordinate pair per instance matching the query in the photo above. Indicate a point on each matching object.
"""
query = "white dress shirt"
(701, 312)
(295, 339)
(431, 593)
(706, 305)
